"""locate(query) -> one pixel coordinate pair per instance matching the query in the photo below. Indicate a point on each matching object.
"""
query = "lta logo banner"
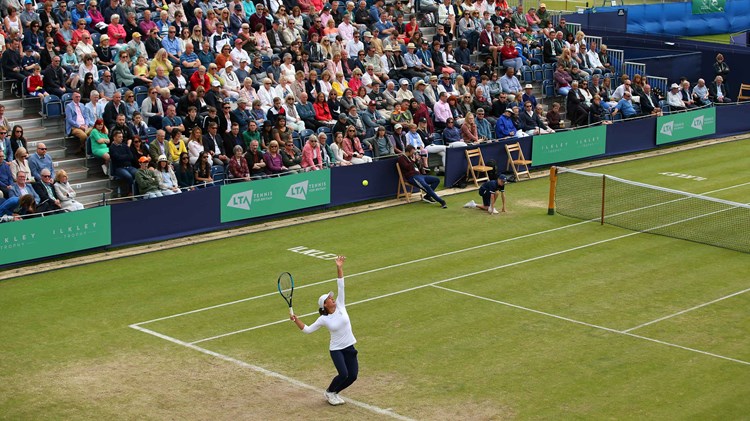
(687, 125)
(251, 199)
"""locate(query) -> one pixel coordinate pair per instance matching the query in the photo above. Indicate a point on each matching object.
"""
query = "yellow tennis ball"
(365, 183)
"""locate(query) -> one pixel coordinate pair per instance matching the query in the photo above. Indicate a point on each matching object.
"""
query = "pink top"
(311, 157)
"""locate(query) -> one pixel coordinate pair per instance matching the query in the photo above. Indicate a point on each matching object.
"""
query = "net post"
(552, 189)
(604, 184)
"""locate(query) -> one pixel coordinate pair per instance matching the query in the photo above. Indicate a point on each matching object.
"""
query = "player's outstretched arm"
(340, 266)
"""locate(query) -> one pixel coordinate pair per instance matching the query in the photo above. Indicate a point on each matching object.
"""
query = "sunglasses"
(42, 149)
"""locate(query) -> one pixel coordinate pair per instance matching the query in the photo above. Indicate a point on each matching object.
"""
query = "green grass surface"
(526, 338)
(716, 39)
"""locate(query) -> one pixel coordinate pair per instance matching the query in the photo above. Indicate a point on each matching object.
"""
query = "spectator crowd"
(171, 93)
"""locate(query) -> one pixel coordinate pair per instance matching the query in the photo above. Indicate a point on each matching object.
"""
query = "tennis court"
(458, 314)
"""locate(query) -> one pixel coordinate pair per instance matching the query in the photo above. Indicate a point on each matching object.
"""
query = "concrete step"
(93, 197)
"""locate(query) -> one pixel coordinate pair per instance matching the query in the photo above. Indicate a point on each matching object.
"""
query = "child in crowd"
(69, 60)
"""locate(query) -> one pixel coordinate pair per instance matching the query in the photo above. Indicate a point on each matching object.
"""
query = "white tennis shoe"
(341, 400)
(492, 211)
(471, 204)
(332, 398)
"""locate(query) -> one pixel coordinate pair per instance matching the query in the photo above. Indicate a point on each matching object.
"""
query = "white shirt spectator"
(237, 55)
(353, 48)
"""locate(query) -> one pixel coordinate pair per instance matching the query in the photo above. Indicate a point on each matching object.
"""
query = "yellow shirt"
(175, 150)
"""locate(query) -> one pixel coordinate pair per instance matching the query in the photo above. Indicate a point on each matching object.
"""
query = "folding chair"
(405, 189)
(472, 169)
(744, 93)
(519, 164)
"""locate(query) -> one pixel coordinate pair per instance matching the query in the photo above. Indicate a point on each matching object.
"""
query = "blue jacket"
(6, 177)
(70, 116)
(504, 127)
(483, 128)
(15, 191)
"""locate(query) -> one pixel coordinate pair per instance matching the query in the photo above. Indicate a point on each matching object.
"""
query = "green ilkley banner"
(569, 145)
(708, 6)
(688, 125)
(269, 196)
(56, 234)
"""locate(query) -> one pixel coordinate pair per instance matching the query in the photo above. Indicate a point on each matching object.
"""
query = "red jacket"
(508, 52)
(195, 81)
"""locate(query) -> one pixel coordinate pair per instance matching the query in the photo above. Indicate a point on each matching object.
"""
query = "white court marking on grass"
(481, 271)
(620, 332)
(466, 275)
(395, 265)
(279, 376)
(686, 310)
(427, 258)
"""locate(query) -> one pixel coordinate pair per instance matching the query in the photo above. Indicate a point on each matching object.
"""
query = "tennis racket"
(286, 288)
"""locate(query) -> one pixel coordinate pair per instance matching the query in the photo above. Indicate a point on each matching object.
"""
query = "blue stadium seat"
(66, 98)
(537, 74)
(51, 108)
(548, 88)
(150, 134)
(526, 74)
(141, 93)
(217, 173)
(549, 70)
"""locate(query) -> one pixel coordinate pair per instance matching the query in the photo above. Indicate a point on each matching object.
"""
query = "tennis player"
(333, 316)
(489, 190)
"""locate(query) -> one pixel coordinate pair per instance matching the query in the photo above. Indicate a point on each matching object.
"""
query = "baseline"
(620, 332)
(269, 373)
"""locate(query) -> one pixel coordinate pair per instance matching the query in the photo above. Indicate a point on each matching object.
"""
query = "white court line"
(419, 260)
(686, 310)
(479, 272)
(423, 259)
(279, 376)
(711, 354)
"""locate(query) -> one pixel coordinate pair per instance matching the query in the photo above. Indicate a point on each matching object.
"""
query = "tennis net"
(656, 210)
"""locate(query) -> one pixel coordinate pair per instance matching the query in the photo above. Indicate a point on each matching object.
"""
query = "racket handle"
(291, 311)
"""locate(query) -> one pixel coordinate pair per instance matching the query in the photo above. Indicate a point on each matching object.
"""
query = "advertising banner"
(569, 145)
(688, 125)
(708, 6)
(275, 195)
(52, 235)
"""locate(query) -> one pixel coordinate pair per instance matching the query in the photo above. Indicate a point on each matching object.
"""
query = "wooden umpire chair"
(519, 164)
(474, 171)
(744, 93)
(405, 189)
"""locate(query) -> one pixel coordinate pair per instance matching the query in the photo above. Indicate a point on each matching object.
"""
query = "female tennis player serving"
(333, 315)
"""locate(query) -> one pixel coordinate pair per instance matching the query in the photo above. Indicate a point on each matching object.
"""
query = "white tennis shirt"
(338, 323)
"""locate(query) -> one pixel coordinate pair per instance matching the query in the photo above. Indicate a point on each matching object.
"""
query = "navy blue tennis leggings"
(346, 364)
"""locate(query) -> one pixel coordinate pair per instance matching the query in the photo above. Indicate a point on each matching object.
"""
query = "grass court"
(458, 315)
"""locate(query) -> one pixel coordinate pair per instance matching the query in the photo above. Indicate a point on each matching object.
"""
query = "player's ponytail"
(323, 311)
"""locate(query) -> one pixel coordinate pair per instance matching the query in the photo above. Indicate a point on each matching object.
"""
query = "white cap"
(323, 299)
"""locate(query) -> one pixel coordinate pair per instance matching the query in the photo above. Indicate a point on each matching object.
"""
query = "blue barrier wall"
(346, 182)
(455, 158)
(606, 21)
(678, 19)
(199, 211)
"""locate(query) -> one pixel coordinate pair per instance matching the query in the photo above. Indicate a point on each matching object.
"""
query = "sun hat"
(162, 158)
(143, 159)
